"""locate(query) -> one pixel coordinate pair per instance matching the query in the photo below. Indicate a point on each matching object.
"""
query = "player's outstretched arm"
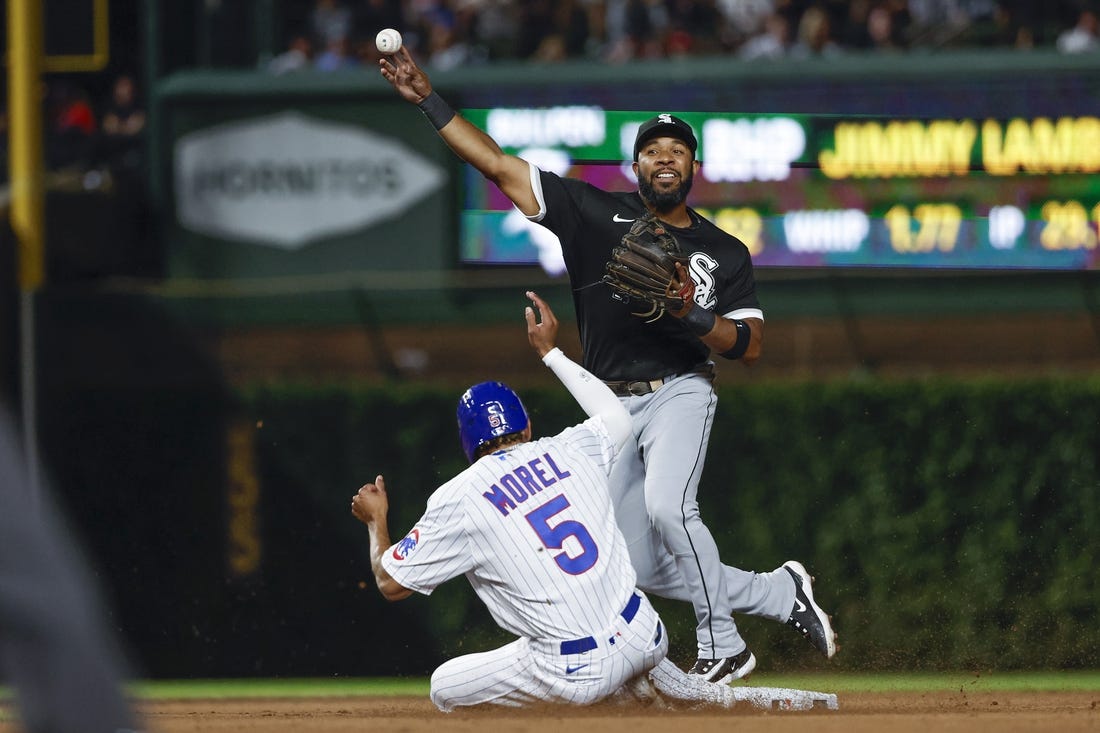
(370, 506)
(511, 175)
(594, 397)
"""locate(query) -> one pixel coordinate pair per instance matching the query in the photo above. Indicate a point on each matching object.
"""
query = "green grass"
(286, 687)
(826, 682)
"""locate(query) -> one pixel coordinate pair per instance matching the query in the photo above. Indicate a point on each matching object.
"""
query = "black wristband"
(438, 112)
(741, 345)
(699, 321)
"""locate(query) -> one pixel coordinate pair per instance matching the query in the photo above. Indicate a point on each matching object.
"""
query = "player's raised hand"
(407, 78)
(371, 502)
(542, 335)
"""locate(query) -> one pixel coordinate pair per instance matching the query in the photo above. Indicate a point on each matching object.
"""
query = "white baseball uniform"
(532, 528)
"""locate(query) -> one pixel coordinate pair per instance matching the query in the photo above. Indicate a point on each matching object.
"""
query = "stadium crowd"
(86, 131)
(336, 34)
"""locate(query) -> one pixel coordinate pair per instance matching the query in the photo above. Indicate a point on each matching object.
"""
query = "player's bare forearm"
(370, 505)
(724, 335)
(379, 542)
(510, 174)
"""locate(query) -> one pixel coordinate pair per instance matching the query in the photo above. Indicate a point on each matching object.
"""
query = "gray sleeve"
(55, 646)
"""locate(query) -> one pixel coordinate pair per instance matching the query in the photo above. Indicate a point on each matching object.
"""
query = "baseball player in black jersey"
(659, 364)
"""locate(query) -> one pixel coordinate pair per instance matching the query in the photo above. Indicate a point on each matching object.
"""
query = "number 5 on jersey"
(553, 536)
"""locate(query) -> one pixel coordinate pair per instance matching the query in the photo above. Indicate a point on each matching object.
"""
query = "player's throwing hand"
(405, 76)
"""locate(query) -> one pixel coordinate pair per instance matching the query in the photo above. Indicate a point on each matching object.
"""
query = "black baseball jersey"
(619, 345)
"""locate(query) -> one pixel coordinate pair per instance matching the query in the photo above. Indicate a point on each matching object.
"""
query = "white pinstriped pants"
(531, 671)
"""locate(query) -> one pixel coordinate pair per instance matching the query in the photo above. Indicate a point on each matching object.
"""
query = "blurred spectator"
(1083, 37)
(337, 56)
(853, 32)
(297, 56)
(123, 126)
(71, 126)
(453, 33)
(815, 35)
(497, 28)
(535, 24)
(329, 21)
(935, 22)
(554, 31)
(634, 29)
(883, 29)
(122, 116)
(371, 16)
(573, 24)
(982, 23)
(747, 18)
(1014, 24)
(773, 43)
(447, 47)
(692, 28)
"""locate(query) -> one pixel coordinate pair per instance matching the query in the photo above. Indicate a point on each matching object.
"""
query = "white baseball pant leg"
(529, 671)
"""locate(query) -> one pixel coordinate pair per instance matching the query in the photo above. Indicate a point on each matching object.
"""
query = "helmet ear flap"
(488, 411)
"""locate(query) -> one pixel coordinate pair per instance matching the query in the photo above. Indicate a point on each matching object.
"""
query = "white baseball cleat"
(806, 616)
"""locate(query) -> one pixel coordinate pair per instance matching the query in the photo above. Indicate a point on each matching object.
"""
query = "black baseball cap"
(665, 125)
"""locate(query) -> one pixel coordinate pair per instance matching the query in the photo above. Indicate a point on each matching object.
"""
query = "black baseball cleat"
(807, 617)
(724, 671)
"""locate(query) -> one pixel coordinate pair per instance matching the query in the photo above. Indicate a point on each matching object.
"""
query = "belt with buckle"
(638, 387)
(641, 387)
(587, 643)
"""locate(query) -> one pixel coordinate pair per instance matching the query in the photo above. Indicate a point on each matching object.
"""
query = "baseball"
(388, 41)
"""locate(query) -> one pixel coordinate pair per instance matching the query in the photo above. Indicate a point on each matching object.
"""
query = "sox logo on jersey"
(701, 265)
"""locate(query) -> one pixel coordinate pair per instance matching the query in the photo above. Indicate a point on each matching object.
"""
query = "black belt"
(639, 387)
(587, 643)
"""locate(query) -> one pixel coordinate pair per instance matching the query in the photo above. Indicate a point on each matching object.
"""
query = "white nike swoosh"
(799, 606)
(619, 220)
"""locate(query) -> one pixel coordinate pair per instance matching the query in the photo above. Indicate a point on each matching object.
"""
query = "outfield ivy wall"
(951, 524)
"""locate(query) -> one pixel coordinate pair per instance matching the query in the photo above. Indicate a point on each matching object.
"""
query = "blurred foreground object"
(55, 649)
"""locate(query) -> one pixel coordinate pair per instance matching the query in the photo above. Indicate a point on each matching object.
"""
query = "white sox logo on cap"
(665, 125)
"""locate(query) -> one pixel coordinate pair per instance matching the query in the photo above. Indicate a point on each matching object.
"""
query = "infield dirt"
(935, 712)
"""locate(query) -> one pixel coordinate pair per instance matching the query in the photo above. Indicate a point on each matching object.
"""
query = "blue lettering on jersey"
(558, 471)
(512, 486)
(528, 480)
(499, 499)
(522, 482)
(536, 466)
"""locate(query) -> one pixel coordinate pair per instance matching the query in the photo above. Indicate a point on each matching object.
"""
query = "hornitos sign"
(289, 179)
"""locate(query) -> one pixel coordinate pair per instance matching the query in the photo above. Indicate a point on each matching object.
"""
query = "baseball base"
(784, 698)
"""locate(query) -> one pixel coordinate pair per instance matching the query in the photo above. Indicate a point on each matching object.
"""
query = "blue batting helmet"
(487, 411)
